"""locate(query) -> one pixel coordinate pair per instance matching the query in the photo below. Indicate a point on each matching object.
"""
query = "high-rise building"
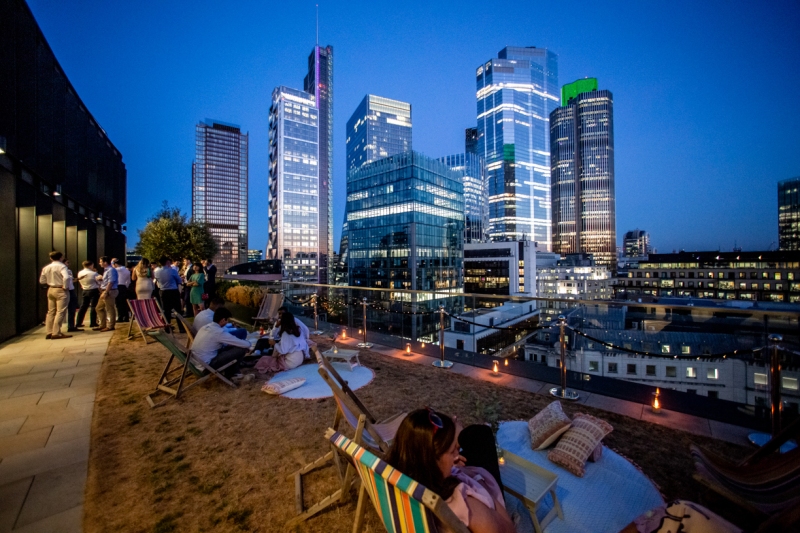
(405, 217)
(293, 191)
(516, 93)
(476, 198)
(255, 255)
(471, 140)
(319, 82)
(582, 163)
(219, 188)
(378, 128)
(789, 214)
(636, 243)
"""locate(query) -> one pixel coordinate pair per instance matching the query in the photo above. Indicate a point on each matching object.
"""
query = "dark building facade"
(758, 276)
(582, 173)
(789, 214)
(62, 181)
(319, 82)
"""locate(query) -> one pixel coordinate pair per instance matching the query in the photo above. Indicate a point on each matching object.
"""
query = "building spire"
(317, 24)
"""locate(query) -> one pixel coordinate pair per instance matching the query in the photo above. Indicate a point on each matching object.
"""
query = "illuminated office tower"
(476, 199)
(319, 82)
(582, 144)
(219, 188)
(378, 128)
(471, 140)
(293, 192)
(516, 93)
(789, 214)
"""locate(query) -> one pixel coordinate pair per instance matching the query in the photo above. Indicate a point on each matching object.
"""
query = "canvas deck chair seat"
(191, 332)
(147, 315)
(186, 364)
(375, 435)
(402, 504)
(268, 312)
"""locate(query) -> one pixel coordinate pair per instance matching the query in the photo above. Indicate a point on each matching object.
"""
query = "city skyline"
(683, 160)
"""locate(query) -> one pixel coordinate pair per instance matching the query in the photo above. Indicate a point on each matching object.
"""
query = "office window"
(594, 366)
(650, 370)
(789, 383)
(612, 368)
(712, 373)
(665, 348)
(632, 369)
(672, 372)
(713, 394)
(691, 372)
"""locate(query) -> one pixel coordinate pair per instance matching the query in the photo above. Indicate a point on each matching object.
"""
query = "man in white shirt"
(216, 347)
(123, 281)
(108, 293)
(56, 277)
(72, 306)
(206, 316)
(91, 294)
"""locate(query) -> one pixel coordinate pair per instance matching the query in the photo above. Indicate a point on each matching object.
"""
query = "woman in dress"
(142, 275)
(288, 350)
(196, 282)
(429, 447)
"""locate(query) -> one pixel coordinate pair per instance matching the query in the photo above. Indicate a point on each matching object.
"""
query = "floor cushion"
(578, 443)
(548, 424)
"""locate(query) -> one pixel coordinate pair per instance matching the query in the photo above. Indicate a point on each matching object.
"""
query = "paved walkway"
(47, 391)
(672, 419)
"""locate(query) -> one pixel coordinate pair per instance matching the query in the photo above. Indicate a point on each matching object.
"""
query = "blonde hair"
(143, 267)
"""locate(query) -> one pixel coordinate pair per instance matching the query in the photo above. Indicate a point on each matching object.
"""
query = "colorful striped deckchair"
(403, 505)
(187, 363)
(148, 316)
(191, 333)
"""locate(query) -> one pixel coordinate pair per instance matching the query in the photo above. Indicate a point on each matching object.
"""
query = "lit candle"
(423, 345)
(505, 362)
(495, 368)
(656, 402)
(344, 333)
(501, 461)
(360, 332)
(408, 347)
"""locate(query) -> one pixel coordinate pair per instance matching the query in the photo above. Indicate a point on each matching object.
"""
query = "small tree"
(170, 233)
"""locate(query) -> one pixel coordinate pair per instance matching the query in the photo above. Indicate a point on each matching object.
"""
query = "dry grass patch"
(219, 459)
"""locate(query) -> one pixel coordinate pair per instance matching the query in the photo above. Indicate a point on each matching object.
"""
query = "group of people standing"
(105, 292)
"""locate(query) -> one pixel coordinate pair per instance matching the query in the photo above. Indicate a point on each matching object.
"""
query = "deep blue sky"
(706, 112)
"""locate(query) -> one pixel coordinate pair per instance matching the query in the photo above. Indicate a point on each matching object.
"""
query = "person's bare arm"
(486, 520)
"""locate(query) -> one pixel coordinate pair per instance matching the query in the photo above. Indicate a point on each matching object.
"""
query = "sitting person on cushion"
(428, 448)
(303, 329)
(288, 351)
(206, 316)
(216, 347)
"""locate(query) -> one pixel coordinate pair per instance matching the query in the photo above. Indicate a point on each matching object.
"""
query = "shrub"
(245, 295)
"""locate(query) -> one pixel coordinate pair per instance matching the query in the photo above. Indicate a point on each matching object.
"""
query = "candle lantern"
(495, 368)
(656, 401)
(505, 362)
(344, 333)
(408, 347)
(422, 345)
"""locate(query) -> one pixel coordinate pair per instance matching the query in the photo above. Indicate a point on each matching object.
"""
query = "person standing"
(168, 280)
(210, 286)
(196, 282)
(143, 276)
(91, 294)
(56, 277)
(72, 306)
(186, 274)
(108, 294)
(123, 284)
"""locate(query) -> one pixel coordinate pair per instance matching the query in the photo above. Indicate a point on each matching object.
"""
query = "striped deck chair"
(187, 364)
(403, 505)
(191, 332)
(367, 431)
(268, 312)
(148, 316)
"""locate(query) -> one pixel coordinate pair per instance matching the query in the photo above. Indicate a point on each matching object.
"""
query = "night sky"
(706, 106)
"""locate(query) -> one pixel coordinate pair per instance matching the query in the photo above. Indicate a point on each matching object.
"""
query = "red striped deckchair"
(403, 505)
(148, 316)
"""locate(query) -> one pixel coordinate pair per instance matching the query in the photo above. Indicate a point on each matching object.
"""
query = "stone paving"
(47, 392)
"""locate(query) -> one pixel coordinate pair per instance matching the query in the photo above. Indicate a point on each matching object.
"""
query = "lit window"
(665, 348)
(712, 373)
(594, 366)
(686, 350)
(789, 383)
(691, 372)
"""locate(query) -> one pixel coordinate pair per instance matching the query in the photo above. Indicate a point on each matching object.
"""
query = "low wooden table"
(347, 356)
(530, 483)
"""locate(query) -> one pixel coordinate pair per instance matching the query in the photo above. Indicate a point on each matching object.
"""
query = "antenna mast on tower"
(317, 24)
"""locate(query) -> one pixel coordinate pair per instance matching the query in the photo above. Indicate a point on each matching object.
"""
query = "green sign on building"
(571, 90)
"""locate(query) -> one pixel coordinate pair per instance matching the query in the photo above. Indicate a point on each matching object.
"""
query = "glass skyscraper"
(319, 82)
(294, 200)
(516, 93)
(789, 214)
(219, 188)
(583, 200)
(378, 128)
(476, 195)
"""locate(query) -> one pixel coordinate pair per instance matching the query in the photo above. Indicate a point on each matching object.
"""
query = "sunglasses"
(434, 419)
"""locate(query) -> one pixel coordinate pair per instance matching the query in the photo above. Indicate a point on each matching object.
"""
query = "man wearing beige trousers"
(56, 277)
(108, 294)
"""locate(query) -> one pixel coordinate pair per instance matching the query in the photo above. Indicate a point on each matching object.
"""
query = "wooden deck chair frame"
(187, 364)
(396, 516)
(268, 311)
(365, 422)
(191, 332)
(143, 331)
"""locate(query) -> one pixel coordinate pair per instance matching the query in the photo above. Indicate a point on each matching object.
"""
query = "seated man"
(206, 316)
(216, 347)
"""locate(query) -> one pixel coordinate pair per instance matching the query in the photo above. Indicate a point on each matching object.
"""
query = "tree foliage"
(170, 233)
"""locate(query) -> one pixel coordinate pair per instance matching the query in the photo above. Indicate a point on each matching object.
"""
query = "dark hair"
(198, 267)
(282, 309)
(56, 256)
(417, 448)
(216, 300)
(288, 324)
(221, 313)
(87, 264)
(163, 260)
(104, 259)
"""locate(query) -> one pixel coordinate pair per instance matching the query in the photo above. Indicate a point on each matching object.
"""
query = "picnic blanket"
(315, 387)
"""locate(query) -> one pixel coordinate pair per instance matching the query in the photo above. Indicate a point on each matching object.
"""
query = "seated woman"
(426, 448)
(288, 349)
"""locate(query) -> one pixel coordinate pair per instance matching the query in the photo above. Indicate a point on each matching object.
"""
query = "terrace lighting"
(344, 333)
(656, 402)
(495, 369)
(422, 345)
(505, 362)
(408, 347)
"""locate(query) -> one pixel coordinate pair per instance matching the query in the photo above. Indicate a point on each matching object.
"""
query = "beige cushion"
(579, 442)
(548, 425)
(279, 387)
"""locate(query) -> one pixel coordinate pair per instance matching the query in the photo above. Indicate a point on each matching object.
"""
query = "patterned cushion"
(579, 442)
(597, 453)
(279, 387)
(548, 425)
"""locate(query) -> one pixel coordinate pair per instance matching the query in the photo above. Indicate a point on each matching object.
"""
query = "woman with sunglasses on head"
(458, 465)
